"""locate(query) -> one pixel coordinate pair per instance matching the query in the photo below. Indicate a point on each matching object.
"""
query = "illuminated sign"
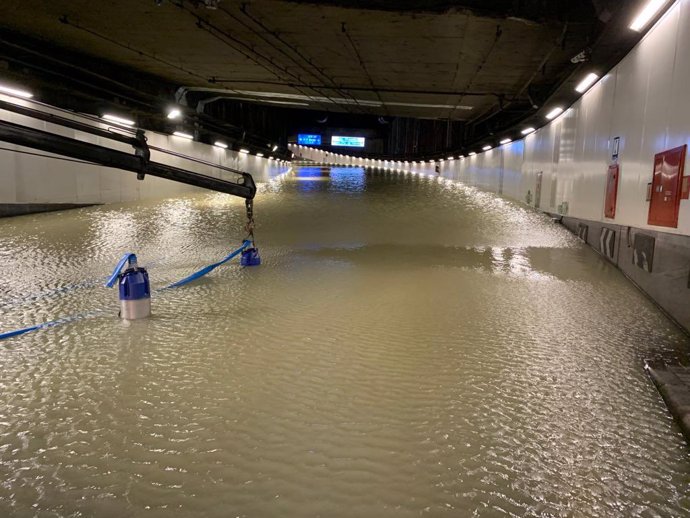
(347, 141)
(305, 139)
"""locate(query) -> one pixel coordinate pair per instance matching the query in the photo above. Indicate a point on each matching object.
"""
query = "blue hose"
(51, 323)
(209, 268)
(196, 275)
(88, 283)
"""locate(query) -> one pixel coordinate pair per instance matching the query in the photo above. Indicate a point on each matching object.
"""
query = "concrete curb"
(22, 209)
(673, 383)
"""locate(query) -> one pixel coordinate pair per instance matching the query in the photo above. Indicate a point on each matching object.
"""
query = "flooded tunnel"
(444, 314)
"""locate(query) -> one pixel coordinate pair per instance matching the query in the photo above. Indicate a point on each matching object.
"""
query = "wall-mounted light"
(16, 92)
(646, 14)
(220, 144)
(182, 134)
(527, 131)
(588, 81)
(554, 113)
(506, 141)
(174, 113)
(117, 120)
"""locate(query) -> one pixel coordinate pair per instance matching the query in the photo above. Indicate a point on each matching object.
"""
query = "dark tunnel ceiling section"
(532, 10)
(485, 63)
(456, 65)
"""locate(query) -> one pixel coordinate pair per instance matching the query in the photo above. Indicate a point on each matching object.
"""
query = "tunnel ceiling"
(464, 61)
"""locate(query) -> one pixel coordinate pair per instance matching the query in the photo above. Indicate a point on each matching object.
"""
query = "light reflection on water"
(339, 179)
(409, 347)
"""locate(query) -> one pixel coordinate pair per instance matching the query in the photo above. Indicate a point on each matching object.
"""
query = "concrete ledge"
(673, 383)
(20, 209)
(657, 262)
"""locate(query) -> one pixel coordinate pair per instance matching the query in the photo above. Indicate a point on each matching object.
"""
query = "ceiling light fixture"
(15, 92)
(117, 120)
(588, 81)
(259, 154)
(486, 148)
(275, 147)
(220, 144)
(174, 113)
(471, 153)
(554, 113)
(527, 131)
(244, 151)
(506, 141)
(182, 134)
(646, 14)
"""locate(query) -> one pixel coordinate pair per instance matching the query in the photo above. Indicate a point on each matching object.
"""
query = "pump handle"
(128, 258)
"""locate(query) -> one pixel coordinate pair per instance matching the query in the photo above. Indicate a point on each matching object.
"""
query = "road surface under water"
(409, 347)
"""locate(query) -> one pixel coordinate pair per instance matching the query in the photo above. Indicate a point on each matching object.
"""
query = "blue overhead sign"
(347, 141)
(306, 139)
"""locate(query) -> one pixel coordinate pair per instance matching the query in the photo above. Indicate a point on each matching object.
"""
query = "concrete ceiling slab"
(442, 61)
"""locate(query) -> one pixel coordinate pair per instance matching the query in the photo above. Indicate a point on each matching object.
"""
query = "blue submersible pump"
(134, 288)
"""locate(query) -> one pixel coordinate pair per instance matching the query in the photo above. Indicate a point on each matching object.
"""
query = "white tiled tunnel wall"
(30, 179)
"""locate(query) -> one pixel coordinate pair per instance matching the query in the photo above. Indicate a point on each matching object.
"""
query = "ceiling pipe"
(279, 48)
(238, 45)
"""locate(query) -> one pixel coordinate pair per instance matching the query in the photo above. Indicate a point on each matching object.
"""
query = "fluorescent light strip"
(588, 81)
(257, 96)
(290, 103)
(644, 16)
(471, 153)
(527, 131)
(220, 144)
(117, 120)
(554, 113)
(15, 92)
(244, 151)
(506, 141)
(182, 134)
(419, 105)
(259, 154)
(486, 148)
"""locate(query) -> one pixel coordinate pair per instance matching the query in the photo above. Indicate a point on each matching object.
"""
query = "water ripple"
(409, 347)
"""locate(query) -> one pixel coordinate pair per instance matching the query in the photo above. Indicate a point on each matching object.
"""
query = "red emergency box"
(666, 187)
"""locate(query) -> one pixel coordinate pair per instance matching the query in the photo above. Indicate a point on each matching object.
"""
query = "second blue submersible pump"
(250, 256)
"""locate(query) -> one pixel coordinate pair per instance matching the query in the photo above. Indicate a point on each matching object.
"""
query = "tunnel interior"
(344, 258)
